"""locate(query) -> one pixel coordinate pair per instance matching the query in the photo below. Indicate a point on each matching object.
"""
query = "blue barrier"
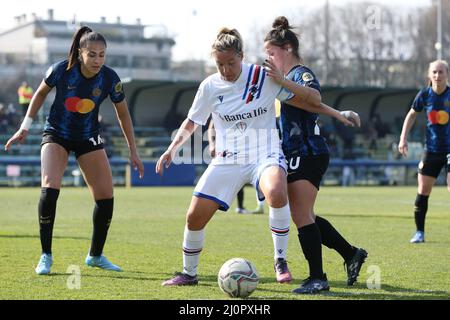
(186, 174)
(175, 175)
(373, 163)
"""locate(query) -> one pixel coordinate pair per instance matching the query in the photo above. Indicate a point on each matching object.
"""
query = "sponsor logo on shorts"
(226, 154)
(421, 164)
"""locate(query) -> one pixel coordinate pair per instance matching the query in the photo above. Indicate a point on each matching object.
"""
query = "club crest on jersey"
(307, 77)
(241, 126)
(255, 81)
(96, 92)
(447, 103)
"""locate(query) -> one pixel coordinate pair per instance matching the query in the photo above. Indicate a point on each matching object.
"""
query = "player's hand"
(20, 136)
(273, 72)
(164, 162)
(212, 151)
(403, 148)
(352, 118)
(136, 163)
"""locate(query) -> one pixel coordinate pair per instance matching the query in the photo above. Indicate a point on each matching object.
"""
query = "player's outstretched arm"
(410, 119)
(123, 115)
(348, 117)
(184, 132)
(35, 104)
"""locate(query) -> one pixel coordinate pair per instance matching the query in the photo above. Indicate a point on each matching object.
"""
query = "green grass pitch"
(146, 235)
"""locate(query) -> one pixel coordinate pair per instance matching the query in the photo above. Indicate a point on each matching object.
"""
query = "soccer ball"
(238, 278)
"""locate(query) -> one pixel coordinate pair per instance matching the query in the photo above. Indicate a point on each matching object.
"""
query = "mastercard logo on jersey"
(438, 117)
(75, 104)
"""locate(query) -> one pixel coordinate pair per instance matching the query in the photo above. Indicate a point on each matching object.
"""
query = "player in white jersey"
(240, 98)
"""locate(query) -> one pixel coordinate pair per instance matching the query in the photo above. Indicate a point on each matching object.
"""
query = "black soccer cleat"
(353, 265)
(312, 286)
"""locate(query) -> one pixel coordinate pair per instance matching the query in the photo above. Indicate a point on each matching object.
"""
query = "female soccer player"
(240, 98)
(435, 100)
(82, 83)
(308, 156)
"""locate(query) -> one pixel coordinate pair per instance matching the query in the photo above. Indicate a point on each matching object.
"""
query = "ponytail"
(79, 40)
(73, 53)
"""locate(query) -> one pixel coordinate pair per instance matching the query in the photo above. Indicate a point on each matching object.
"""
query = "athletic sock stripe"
(192, 252)
(279, 232)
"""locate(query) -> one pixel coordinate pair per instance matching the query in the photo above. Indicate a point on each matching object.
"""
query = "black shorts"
(78, 147)
(310, 168)
(432, 163)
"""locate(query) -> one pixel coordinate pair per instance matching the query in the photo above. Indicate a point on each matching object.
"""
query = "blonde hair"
(442, 62)
(228, 39)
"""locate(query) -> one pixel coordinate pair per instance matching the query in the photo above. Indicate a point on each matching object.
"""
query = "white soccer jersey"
(243, 113)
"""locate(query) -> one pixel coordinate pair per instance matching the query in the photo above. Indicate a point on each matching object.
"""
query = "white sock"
(192, 246)
(259, 202)
(280, 220)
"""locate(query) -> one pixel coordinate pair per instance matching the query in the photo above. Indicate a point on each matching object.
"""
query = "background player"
(82, 83)
(435, 100)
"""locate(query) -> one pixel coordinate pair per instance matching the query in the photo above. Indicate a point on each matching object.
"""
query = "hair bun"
(281, 22)
(225, 30)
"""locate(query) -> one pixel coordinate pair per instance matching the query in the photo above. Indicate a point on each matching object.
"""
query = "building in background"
(33, 44)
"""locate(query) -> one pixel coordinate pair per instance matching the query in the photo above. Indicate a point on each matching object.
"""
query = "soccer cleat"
(311, 286)
(181, 279)
(258, 210)
(419, 237)
(282, 271)
(44, 265)
(242, 211)
(101, 262)
(353, 265)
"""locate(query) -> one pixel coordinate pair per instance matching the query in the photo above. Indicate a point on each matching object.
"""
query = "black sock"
(420, 211)
(47, 212)
(240, 198)
(333, 239)
(103, 213)
(311, 244)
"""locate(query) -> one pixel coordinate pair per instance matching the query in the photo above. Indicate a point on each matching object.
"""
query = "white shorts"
(221, 183)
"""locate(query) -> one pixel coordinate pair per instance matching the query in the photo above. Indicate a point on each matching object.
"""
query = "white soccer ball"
(238, 278)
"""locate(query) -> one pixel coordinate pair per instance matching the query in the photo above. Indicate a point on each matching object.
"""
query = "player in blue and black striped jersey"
(435, 101)
(82, 83)
(307, 155)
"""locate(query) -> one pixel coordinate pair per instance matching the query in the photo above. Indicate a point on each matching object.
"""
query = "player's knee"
(193, 223)
(276, 196)
(302, 219)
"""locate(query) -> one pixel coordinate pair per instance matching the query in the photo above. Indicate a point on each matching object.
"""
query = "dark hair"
(228, 39)
(80, 40)
(281, 34)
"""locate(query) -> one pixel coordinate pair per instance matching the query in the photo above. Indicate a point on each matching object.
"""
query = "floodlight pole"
(438, 45)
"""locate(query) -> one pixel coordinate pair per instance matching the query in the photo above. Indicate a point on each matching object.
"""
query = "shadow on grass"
(369, 216)
(358, 291)
(125, 275)
(31, 236)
